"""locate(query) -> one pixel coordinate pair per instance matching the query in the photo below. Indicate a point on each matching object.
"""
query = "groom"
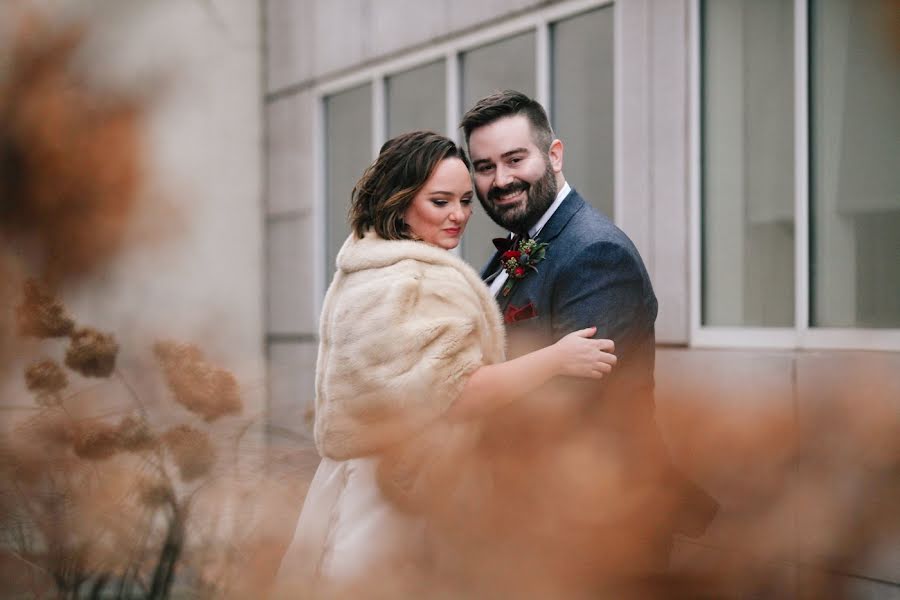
(590, 274)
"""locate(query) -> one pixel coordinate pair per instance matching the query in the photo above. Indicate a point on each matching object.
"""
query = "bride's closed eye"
(442, 203)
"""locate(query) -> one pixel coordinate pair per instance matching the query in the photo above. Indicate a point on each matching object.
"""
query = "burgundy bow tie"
(505, 243)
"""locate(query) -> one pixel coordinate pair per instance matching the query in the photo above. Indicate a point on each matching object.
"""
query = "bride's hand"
(581, 356)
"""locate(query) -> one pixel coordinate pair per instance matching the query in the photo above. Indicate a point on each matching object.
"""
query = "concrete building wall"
(205, 136)
(312, 39)
(290, 296)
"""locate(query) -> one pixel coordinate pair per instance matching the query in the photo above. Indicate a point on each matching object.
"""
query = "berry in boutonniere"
(521, 259)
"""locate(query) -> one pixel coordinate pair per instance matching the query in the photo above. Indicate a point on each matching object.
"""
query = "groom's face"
(515, 180)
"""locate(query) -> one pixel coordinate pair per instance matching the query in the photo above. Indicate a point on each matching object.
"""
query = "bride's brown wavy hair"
(387, 188)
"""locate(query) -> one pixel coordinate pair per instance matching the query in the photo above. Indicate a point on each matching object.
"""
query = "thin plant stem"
(132, 392)
(169, 555)
(140, 551)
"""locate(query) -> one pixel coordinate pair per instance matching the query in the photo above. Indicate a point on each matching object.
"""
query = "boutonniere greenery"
(519, 260)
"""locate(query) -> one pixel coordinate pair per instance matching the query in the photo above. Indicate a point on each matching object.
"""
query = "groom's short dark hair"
(509, 103)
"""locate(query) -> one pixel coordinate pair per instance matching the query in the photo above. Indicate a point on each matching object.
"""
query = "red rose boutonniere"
(521, 259)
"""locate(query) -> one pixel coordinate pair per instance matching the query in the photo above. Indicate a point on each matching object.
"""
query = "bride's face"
(439, 212)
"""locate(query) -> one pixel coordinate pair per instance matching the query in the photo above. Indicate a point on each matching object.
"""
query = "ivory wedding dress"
(348, 537)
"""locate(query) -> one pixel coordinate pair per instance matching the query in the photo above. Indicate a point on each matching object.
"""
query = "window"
(506, 64)
(748, 177)
(796, 179)
(348, 151)
(583, 93)
(561, 55)
(855, 179)
(417, 99)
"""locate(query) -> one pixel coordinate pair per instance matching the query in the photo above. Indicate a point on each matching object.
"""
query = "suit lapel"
(566, 211)
(503, 301)
(570, 205)
(491, 266)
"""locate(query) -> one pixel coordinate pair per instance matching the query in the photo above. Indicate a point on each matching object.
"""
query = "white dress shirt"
(500, 279)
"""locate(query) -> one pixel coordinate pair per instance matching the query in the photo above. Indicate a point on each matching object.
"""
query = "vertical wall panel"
(289, 154)
(653, 109)
(669, 124)
(633, 109)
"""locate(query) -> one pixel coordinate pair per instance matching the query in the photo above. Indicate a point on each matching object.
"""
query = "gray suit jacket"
(593, 275)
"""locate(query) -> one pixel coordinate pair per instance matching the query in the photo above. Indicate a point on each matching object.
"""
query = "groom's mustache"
(513, 188)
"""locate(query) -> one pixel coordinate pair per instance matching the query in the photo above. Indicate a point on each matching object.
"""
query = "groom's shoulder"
(591, 228)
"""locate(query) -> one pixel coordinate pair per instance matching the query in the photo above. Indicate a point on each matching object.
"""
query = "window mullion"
(379, 114)
(696, 246)
(454, 111)
(454, 95)
(801, 170)
(320, 235)
(619, 113)
(542, 65)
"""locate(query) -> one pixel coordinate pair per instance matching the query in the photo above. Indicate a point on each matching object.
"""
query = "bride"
(411, 355)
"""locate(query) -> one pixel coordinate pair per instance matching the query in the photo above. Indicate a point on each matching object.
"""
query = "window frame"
(801, 336)
(539, 21)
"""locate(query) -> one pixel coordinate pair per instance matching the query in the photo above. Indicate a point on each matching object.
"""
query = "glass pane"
(348, 151)
(855, 179)
(748, 157)
(417, 99)
(583, 101)
(507, 64)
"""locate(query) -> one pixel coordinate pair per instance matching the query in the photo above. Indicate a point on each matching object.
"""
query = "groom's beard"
(519, 218)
